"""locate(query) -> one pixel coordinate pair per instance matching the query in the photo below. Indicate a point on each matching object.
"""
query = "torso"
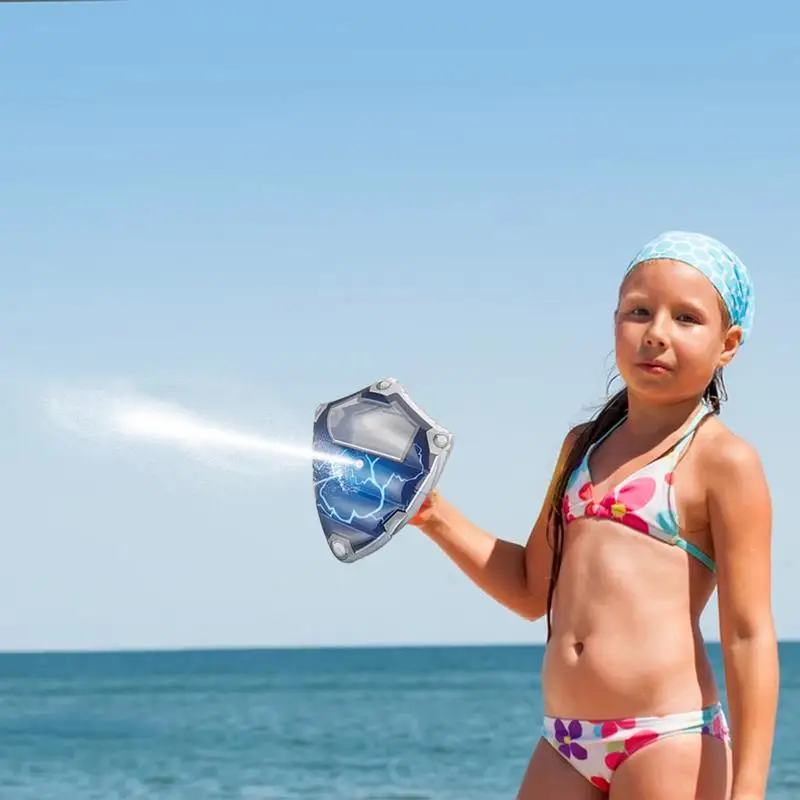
(639, 651)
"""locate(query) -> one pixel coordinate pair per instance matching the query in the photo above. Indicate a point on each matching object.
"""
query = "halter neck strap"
(699, 416)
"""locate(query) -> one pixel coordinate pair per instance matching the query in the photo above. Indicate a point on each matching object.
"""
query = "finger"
(426, 504)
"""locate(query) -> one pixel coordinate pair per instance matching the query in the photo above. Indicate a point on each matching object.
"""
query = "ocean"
(448, 723)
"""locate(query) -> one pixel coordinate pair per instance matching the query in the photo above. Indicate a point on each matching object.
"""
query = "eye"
(690, 319)
(638, 311)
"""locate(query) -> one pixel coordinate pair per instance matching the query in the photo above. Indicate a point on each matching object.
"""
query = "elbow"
(532, 608)
(533, 616)
(748, 632)
(763, 638)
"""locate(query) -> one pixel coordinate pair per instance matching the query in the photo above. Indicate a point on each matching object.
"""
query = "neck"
(648, 419)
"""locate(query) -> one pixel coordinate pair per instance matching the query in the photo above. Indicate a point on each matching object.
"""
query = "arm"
(740, 512)
(516, 576)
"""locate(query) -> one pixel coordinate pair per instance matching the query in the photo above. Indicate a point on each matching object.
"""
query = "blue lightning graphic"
(347, 480)
(363, 498)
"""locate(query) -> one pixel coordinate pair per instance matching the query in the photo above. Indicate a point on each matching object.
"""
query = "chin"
(653, 394)
(662, 393)
(654, 387)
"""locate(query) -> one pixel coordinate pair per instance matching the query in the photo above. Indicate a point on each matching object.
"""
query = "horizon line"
(134, 650)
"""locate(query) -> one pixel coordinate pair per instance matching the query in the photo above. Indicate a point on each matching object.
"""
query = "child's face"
(671, 331)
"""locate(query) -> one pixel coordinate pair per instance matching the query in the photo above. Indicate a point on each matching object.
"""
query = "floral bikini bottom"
(596, 748)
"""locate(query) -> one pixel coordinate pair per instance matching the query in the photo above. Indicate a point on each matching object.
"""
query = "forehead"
(670, 279)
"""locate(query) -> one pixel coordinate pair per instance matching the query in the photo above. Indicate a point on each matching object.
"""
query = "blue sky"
(252, 208)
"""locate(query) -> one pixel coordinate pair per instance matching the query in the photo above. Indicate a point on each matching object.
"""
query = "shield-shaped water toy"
(377, 457)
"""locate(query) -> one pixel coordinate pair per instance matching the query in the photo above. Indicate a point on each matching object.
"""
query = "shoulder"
(575, 433)
(571, 439)
(727, 455)
(567, 445)
(733, 471)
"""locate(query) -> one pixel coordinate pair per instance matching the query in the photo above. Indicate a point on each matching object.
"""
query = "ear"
(730, 345)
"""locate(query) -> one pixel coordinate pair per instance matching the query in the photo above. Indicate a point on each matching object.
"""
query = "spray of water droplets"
(132, 418)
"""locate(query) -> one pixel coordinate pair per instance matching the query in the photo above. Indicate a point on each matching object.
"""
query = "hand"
(427, 513)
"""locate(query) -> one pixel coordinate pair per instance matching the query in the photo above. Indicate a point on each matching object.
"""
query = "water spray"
(375, 454)
(153, 421)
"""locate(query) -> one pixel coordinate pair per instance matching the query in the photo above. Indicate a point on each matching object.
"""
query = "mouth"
(653, 367)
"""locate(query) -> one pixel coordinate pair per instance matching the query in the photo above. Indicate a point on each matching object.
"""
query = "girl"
(653, 504)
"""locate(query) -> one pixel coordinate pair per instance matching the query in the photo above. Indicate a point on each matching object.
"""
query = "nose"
(656, 333)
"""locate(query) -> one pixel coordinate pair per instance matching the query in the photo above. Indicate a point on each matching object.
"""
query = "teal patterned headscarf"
(716, 261)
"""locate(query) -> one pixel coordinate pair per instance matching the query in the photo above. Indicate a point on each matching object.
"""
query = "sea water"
(446, 723)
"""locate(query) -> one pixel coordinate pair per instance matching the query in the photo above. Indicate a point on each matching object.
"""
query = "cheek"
(625, 338)
(698, 350)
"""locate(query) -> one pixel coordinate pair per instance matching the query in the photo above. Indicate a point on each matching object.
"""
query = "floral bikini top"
(642, 501)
